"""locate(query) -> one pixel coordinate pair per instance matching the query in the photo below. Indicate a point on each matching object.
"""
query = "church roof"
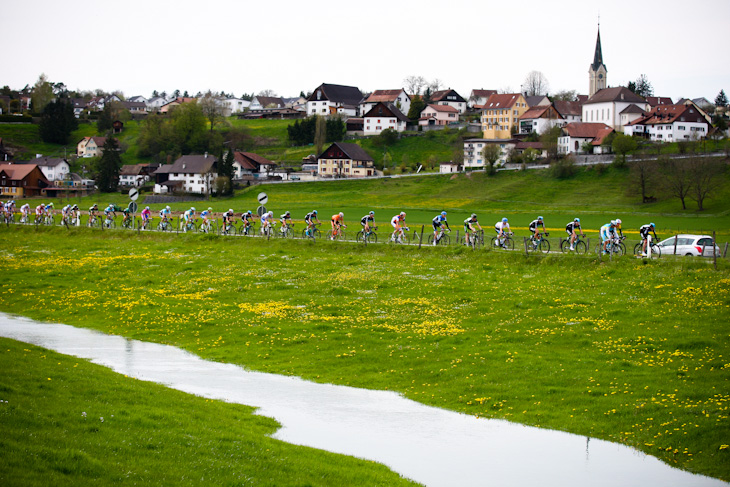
(598, 55)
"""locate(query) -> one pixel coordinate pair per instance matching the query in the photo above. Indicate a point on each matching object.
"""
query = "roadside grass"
(69, 422)
(629, 351)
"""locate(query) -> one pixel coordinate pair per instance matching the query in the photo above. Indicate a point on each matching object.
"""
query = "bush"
(563, 168)
(15, 119)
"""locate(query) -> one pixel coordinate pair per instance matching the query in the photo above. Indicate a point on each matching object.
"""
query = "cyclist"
(572, 230)
(227, 219)
(644, 232)
(25, 212)
(311, 219)
(367, 222)
(9, 209)
(40, 211)
(337, 223)
(266, 222)
(285, 220)
(469, 229)
(127, 217)
(398, 222)
(189, 217)
(146, 216)
(246, 219)
(92, 213)
(438, 222)
(65, 214)
(533, 227)
(75, 215)
(165, 214)
(205, 214)
(608, 232)
(109, 212)
(49, 209)
(502, 229)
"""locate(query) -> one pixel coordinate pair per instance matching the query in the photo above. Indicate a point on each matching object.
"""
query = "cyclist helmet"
(613, 222)
(76, 207)
(230, 210)
(402, 213)
(248, 212)
(315, 212)
(95, 206)
(618, 221)
(167, 207)
(577, 220)
(192, 208)
(271, 213)
(287, 213)
(372, 212)
(539, 218)
(342, 215)
(146, 207)
(473, 215)
(51, 204)
(443, 213)
(504, 220)
(210, 209)
(652, 225)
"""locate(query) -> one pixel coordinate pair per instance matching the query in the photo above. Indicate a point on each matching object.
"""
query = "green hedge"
(15, 119)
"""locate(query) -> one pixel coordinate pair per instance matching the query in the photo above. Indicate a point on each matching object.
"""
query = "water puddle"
(426, 444)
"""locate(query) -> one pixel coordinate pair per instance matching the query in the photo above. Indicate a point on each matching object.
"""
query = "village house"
(571, 111)
(90, 146)
(169, 106)
(439, 115)
(22, 181)
(607, 104)
(575, 137)
(329, 99)
(480, 97)
(449, 98)
(190, 173)
(382, 117)
(133, 175)
(263, 102)
(343, 160)
(501, 113)
(474, 151)
(54, 168)
(248, 165)
(539, 119)
(397, 98)
(670, 123)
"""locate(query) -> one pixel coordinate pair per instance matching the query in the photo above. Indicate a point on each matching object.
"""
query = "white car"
(689, 245)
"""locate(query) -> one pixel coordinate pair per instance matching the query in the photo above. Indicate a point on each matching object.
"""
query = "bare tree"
(535, 84)
(676, 178)
(435, 85)
(643, 175)
(505, 89)
(565, 95)
(706, 176)
(212, 109)
(414, 84)
(268, 93)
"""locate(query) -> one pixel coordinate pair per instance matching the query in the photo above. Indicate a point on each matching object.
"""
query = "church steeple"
(597, 72)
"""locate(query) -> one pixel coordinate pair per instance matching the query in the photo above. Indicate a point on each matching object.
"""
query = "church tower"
(597, 71)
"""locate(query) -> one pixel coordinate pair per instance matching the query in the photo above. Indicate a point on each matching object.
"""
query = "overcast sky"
(291, 46)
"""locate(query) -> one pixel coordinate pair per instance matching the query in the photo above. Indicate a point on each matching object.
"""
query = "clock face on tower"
(600, 76)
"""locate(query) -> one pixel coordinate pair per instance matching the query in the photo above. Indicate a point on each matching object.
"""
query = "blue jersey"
(205, 214)
(439, 219)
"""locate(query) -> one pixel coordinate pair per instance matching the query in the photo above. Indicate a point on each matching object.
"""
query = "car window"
(684, 241)
(705, 241)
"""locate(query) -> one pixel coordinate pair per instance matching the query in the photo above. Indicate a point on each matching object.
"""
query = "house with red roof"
(480, 97)
(575, 135)
(670, 123)
(384, 116)
(449, 98)
(90, 146)
(21, 181)
(607, 104)
(540, 118)
(438, 115)
(398, 98)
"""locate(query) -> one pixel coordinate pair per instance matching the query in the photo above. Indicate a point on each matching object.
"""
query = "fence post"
(457, 236)
(588, 244)
(216, 226)
(724, 254)
(524, 241)
(420, 240)
(177, 227)
(714, 250)
(675, 244)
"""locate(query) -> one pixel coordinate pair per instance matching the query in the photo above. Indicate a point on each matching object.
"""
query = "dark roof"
(249, 160)
(164, 169)
(658, 100)
(384, 96)
(265, 101)
(598, 55)
(134, 104)
(566, 108)
(386, 110)
(133, 170)
(632, 109)
(441, 95)
(47, 161)
(539, 111)
(346, 95)
(534, 100)
(619, 93)
(194, 164)
(483, 93)
(352, 151)
(666, 114)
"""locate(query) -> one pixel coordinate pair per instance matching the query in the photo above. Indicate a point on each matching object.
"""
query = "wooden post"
(714, 250)
(588, 244)
(420, 240)
(724, 254)
(675, 244)
(457, 236)
(524, 241)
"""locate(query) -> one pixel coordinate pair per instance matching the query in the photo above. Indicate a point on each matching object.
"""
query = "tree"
(414, 84)
(721, 99)
(211, 109)
(622, 145)
(189, 129)
(565, 95)
(108, 178)
(435, 85)
(42, 94)
(386, 138)
(57, 122)
(676, 178)
(706, 176)
(268, 93)
(491, 154)
(535, 84)
(226, 173)
(642, 86)
(720, 124)
(417, 106)
(320, 133)
(105, 120)
(643, 173)
(549, 140)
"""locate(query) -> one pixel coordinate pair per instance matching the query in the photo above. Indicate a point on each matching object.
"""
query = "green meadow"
(629, 351)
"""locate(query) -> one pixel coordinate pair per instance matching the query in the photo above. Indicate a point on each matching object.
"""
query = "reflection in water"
(430, 445)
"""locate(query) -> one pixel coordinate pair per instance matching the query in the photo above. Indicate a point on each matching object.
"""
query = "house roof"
(346, 95)
(539, 111)
(667, 114)
(588, 130)
(99, 141)
(527, 145)
(47, 161)
(535, 100)
(565, 108)
(619, 93)
(483, 93)
(17, 171)
(443, 108)
(133, 169)
(194, 164)
(388, 110)
(632, 109)
(249, 160)
(504, 100)
(134, 104)
(265, 101)
(442, 94)
(352, 151)
(385, 96)
(164, 169)
(658, 100)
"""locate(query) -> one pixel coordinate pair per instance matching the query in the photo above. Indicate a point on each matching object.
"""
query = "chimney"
(206, 155)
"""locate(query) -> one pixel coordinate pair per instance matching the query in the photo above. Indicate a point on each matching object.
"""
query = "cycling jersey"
(572, 226)
(337, 219)
(189, 214)
(645, 229)
(49, 207)
(468, 222)
(285, 217)
(227, 215)
(205, 214)
(439, 220)
(396, 220)
(164, 212)
(606, 231)
(499, 226)
(39, 209)
(366, 219)
(535, 223)
(246, 217)
(25, 208)
(146, 213)
(264, 218)
(310, 217)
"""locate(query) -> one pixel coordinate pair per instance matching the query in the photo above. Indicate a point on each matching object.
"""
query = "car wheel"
(689, 254)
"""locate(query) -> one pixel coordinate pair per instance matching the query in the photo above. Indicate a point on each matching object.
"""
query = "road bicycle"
(505, 242)
(109, 223)
(146, 224)
(286, 231)
(539, 244)
(441, 239)
(247, 230)
(128, 222)
(228, 228)
(656, 251)
(164, 225)
(24, 220)
(268, 231)
(340, 235)
(205, 227)
(94, 222)
(401, 238)
(49, 220)
(615, 246)
(579, 246)
(367, 237)
(190, 225)
(313, 232)
(9, 218)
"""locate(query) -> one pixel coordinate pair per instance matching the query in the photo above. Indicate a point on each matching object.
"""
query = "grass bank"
(627, 351)
(68, 422)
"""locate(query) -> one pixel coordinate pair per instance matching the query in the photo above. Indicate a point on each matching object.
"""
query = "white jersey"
(502, 226)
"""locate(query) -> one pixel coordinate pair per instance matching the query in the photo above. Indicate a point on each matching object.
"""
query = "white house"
(383, 116)
(133, 175)
(192, 173)
(262, 102)
(575, 135)
(53, 168)
(251, 165)
(449, 97)
(670, 123)
(607, 104)
(154, 104)
(397, 98)
(480, 97)
(474, 151)
(438, 115)
(571, 111)
(138, 98)
(329, 99)
(450, 167)
(539, 119)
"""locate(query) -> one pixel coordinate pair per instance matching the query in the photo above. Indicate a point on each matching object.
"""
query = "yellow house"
(501, 115)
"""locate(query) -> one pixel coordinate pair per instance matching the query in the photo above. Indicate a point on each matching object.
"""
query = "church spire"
(598, 56)
(598, 71)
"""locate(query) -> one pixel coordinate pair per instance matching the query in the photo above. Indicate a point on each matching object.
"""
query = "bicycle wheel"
(544, 246)
(580, 247)
(110, 224)
(494, 243)
(359, 237)
(444, 240)
(656, 251)
(620, 249)
(638, 249)
(50, 221)
(509, 244)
